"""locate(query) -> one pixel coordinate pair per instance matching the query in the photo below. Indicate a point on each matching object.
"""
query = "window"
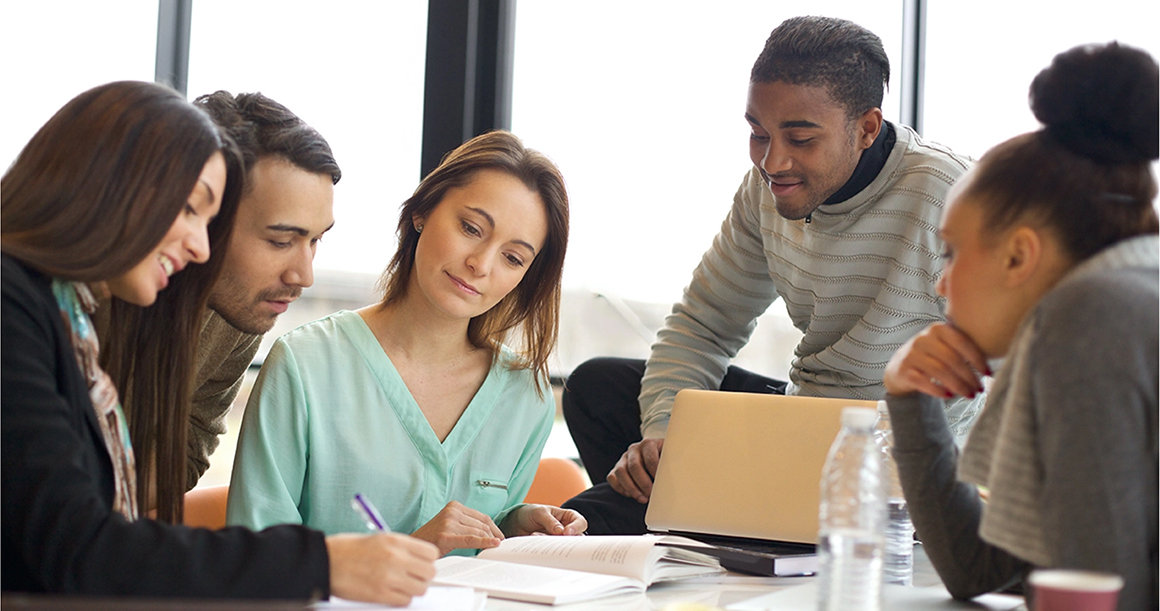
(981, 57)
(353, 71)
(55, 51)
(641, 104)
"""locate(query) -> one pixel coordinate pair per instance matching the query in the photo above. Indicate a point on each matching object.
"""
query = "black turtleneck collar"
(872, 161)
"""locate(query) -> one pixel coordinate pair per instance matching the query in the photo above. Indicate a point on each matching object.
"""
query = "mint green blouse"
(329, 416)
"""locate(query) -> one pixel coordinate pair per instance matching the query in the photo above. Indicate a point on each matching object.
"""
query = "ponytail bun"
(1101, 102)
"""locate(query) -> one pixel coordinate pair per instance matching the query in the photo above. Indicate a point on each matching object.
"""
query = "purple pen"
(367, 510)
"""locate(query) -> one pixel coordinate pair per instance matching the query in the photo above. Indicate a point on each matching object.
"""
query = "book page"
(529, 583)
(627, 556)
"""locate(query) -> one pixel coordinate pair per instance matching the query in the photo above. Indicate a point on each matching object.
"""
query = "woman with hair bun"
(1052, 263)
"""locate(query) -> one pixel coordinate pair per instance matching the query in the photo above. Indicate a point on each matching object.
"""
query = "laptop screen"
(744, 464)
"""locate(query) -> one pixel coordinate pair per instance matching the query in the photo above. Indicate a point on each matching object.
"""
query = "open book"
(558, 570)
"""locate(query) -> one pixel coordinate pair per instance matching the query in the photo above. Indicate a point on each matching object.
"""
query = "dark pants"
(602, 409)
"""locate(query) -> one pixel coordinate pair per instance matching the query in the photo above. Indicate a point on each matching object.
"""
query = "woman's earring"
(418, 229)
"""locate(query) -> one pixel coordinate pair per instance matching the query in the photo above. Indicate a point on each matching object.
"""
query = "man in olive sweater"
(286, 207)
(838, 217)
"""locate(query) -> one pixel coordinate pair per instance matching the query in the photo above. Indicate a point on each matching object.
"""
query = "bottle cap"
(858, 417)
(882, 408)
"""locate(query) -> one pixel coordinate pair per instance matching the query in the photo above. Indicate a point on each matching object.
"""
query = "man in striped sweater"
(838, 217)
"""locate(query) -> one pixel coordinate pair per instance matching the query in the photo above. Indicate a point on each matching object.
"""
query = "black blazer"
(59, 531)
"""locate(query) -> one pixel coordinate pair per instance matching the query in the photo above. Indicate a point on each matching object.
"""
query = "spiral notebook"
(741, 471)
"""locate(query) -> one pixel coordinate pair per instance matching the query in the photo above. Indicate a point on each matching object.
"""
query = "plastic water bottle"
(898, 564)
(852, 518)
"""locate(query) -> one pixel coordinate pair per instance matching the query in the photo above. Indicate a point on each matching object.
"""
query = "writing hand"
(384, 568)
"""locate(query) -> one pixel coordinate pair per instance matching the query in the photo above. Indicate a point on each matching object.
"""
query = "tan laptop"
(744, 466)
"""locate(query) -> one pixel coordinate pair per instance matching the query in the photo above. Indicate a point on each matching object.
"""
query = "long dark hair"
(150, 355)
(99, 185)
(1087, 173)
(534, 304)
(91, 194)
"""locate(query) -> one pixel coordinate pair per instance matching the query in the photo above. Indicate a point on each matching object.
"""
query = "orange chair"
(556, 481)
(206, 507)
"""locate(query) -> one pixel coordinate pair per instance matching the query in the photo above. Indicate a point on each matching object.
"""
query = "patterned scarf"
(76, 302)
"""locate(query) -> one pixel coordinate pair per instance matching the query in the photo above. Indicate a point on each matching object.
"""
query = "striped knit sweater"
(858, 280)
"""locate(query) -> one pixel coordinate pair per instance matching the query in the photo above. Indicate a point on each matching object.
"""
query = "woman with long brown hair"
(416, 402)
(123, 188)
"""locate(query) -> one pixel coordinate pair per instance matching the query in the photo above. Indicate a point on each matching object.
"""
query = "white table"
(722, 591)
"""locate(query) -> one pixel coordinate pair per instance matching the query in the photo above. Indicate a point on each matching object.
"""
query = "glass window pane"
(55, 50)
(641, 104)
(981, 57)
(353, 71)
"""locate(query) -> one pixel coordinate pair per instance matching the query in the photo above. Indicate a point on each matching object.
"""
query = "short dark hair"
(262, 127)
(1087, 174)
(843, 57)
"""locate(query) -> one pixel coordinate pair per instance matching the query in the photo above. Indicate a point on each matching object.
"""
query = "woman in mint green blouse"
(416, 402)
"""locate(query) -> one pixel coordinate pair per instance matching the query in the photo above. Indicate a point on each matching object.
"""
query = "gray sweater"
(1067, 444)
(858, 280)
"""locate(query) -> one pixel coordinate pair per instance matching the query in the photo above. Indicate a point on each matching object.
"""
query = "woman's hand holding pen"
(457, 526)
(544, 520)
(383, 568)
(941, 361)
